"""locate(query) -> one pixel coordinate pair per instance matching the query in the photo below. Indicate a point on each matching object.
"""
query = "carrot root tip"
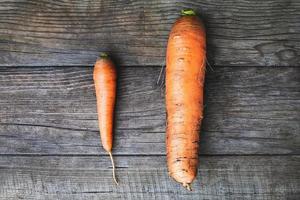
(113, 166)
(187, 186)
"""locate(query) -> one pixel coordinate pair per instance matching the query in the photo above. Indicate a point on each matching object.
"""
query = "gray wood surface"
(49, 137)
(50, 110)
(88, 177)
(68, 33)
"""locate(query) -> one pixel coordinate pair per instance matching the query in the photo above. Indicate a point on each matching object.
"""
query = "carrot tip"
(187, 186)
(113, 166)
(188, 12)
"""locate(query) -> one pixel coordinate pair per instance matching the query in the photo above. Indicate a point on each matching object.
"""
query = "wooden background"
(49, 137)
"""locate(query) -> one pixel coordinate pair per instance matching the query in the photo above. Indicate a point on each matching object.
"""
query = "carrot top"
(104, 55)
(188, 12)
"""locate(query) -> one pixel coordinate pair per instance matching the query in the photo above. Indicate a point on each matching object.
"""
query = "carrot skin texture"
(105, 80)
(185, 73)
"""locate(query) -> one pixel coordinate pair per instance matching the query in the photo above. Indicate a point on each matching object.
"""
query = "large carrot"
(105, 79)
(185, 71)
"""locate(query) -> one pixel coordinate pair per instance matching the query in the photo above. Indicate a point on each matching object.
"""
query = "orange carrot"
(105, 79)
(185, 71)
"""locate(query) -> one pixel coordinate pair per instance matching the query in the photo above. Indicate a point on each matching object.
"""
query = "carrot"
(185, 71)
(105, 77)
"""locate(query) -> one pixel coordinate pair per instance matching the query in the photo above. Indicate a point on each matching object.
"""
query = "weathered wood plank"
(240, 33)
(144, 177)
(51, 110)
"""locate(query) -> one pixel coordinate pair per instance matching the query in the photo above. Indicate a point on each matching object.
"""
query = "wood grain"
(52, 110)
(145, 177)
(72, 33)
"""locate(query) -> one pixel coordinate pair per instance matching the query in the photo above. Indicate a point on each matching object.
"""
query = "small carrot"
(185, 71)
(105, 79)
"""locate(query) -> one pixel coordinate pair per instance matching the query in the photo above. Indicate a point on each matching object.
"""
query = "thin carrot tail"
(113, 166)
(187, 186)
